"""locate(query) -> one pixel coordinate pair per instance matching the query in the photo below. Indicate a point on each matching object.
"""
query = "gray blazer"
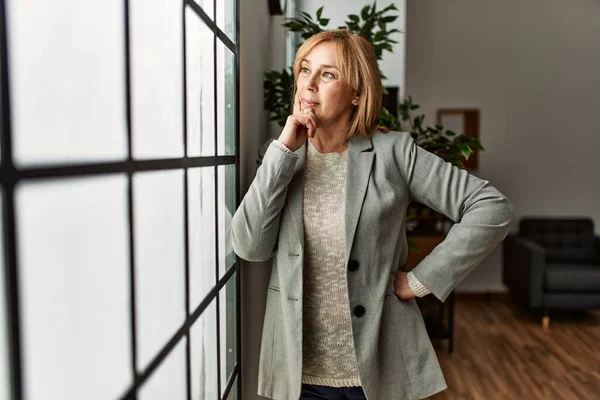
(396, 359)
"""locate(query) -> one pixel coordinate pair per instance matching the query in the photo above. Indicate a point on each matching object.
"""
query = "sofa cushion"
(564, 239)
(573, 278)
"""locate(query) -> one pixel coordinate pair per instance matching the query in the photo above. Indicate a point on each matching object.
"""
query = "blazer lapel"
(360, 161)
(296, 194)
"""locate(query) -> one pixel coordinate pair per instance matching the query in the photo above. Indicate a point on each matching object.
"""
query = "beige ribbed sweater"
(328, 348)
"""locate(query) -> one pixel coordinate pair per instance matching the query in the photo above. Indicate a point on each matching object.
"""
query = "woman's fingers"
(310, 125)
(308, 115)
(303, 124)
(401, 287)
(308, 120)
(299, 125)
(307, 124)
(296, 107)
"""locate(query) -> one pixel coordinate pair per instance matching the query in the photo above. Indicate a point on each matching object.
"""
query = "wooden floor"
(501, 352)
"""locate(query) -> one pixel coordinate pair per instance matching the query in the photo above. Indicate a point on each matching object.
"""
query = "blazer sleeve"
(255, 224)
(482, 216)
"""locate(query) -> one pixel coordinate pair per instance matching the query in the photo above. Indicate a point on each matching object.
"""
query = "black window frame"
(11, 175)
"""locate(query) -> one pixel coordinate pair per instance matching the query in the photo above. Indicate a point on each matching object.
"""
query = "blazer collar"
(360, 162)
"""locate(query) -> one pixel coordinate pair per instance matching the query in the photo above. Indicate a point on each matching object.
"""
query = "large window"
(119, 178)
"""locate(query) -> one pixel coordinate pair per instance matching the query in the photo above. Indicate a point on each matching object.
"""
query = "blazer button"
(359, 311)
(353, 265)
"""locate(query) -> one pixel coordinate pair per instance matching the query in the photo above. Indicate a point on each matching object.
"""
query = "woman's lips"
(308, 103)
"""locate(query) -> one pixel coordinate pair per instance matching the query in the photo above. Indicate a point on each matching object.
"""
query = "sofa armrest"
(524, 270)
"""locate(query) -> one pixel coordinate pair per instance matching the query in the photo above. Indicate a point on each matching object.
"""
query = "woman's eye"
(304, 70)
(328, 75)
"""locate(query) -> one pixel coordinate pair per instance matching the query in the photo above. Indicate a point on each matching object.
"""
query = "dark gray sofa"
(553, 263)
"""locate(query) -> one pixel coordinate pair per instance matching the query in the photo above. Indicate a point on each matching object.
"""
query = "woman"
(328, 203)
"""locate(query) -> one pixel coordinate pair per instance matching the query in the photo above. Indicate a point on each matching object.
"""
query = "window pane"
(227, 201)
(67, 81)
(226, 17)
(159, 260)
(204, 355)
(227, 331)
(200, 70)
(156, 77)
(74, 285)
(201, 224)
(5, 357)
(225, 99)
(169, 380)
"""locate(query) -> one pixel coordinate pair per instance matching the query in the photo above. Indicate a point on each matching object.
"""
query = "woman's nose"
(312, 84)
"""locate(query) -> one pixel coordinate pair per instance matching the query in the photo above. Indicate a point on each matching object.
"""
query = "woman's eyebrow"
(322, 66)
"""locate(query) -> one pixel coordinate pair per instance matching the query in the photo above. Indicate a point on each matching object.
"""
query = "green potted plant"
(452, 147)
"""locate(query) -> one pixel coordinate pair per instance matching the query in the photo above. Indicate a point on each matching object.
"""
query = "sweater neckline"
(313, 150)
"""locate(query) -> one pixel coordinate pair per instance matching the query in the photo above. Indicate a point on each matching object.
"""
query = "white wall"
(392, 65)
(532, 68)
(256, 44)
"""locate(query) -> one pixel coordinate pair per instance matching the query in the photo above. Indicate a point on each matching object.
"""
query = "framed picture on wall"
(462, 120)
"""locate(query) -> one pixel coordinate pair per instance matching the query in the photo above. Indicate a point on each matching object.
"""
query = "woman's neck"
(331, 139)
(329, 144)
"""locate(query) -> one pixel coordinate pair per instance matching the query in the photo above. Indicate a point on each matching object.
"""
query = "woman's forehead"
(326, 53)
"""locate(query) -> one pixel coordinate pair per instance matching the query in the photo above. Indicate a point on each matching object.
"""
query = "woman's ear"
(355, 101)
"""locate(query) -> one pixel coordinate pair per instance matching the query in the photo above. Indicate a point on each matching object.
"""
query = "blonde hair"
(357, 63)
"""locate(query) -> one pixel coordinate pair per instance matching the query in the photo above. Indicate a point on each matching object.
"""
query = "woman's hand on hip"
(299, 126)
(401, 287)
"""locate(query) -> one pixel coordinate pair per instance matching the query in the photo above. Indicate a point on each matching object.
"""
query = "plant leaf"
(364, 13)
(389, 19)
(319, 12)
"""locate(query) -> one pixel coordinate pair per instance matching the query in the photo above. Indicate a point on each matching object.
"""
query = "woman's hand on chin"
(302, 124)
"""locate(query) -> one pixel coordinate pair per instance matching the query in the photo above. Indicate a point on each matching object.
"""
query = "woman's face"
(319, 86)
